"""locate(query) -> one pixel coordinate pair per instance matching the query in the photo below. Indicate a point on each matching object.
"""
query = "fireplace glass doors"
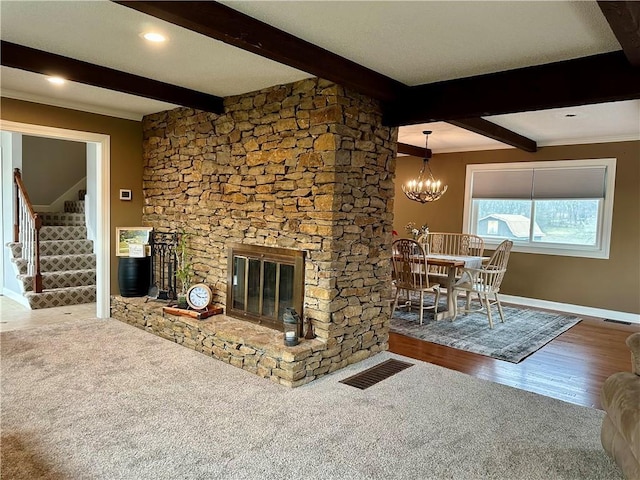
(262, 282)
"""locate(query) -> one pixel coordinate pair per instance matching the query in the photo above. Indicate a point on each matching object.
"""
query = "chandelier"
(424, 188)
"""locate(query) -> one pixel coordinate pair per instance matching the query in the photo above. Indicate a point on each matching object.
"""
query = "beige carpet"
(98, 399)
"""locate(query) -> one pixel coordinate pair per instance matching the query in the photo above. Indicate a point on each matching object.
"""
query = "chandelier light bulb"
(425, 188)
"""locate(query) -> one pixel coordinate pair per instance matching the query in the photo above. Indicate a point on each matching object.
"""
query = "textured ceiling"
(413, 42)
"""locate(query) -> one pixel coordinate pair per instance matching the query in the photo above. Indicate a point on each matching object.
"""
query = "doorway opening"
(98, 152)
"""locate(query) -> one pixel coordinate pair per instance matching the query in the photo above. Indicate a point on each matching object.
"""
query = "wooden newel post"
(16, 207)
(37, 277)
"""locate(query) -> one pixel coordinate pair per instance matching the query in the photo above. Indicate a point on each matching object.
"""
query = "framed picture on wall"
(126, 236)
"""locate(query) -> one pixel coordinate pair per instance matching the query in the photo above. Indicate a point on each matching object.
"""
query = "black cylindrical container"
(134, 276)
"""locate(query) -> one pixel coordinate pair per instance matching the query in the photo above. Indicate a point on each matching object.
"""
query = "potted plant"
(184, 270)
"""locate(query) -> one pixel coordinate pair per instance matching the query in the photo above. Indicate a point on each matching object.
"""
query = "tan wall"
(612, 284)
(126, 156)
(44, 159)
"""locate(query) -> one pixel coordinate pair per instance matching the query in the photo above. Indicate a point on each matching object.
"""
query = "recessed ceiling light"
(154, 37)
(56, 80)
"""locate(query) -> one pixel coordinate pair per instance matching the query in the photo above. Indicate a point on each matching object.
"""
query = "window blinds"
(540, 183)
(503, 184)
(582, 182)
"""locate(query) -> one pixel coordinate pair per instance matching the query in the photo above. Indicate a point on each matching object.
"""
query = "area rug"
(100, 399)
(524, 331)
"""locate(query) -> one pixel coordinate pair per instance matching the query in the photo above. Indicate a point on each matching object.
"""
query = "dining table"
(452, 263)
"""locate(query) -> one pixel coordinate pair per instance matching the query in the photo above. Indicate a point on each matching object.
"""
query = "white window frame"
(600, 250)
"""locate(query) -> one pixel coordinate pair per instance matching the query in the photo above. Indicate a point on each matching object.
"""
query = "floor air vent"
(376, 374)
(621, 322)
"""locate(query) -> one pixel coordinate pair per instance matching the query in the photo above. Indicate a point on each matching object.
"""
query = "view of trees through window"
(565, 221)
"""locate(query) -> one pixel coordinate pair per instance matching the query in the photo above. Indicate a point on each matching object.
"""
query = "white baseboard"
(16, 297)
(569, 308)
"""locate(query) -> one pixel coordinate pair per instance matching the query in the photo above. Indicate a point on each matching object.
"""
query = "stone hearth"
(249, 346)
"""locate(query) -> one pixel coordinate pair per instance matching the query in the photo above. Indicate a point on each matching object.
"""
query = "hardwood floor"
(572, 367)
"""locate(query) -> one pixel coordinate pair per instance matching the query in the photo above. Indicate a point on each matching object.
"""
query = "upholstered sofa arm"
(633, 342)
(621, 400)
(620, 434)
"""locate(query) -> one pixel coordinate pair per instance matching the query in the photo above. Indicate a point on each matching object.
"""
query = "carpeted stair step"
(67, 261)
(63, 232)
(62, 279)
(58, 297)
(57, 247)
(60, 263)
(16, 249)
(62, 218)
(74, 206)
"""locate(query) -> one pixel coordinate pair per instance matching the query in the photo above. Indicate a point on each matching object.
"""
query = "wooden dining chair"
(411, 274)
(456, 244)
(486, 281)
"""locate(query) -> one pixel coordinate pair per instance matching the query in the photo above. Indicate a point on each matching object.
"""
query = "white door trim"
(103, 214)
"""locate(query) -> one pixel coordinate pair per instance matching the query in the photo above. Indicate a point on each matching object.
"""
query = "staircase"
(66, 258)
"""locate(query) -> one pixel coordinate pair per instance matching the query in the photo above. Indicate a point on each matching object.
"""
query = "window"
(556, 208)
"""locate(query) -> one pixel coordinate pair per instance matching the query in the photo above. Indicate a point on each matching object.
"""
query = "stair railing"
(26, 230)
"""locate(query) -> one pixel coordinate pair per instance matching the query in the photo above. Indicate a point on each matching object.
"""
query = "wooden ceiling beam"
(37, 61)
(597, 79)
(624, 20)
(492, 130)
(235, 28)
(600, 78)
(482, 127)
(408, 149)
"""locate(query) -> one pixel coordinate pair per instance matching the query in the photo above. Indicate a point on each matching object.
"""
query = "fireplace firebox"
(262, 282)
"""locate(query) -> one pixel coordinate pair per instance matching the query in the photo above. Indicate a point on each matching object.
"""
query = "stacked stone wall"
(307, 166)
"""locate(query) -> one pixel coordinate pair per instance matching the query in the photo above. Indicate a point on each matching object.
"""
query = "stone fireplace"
(306, 166)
